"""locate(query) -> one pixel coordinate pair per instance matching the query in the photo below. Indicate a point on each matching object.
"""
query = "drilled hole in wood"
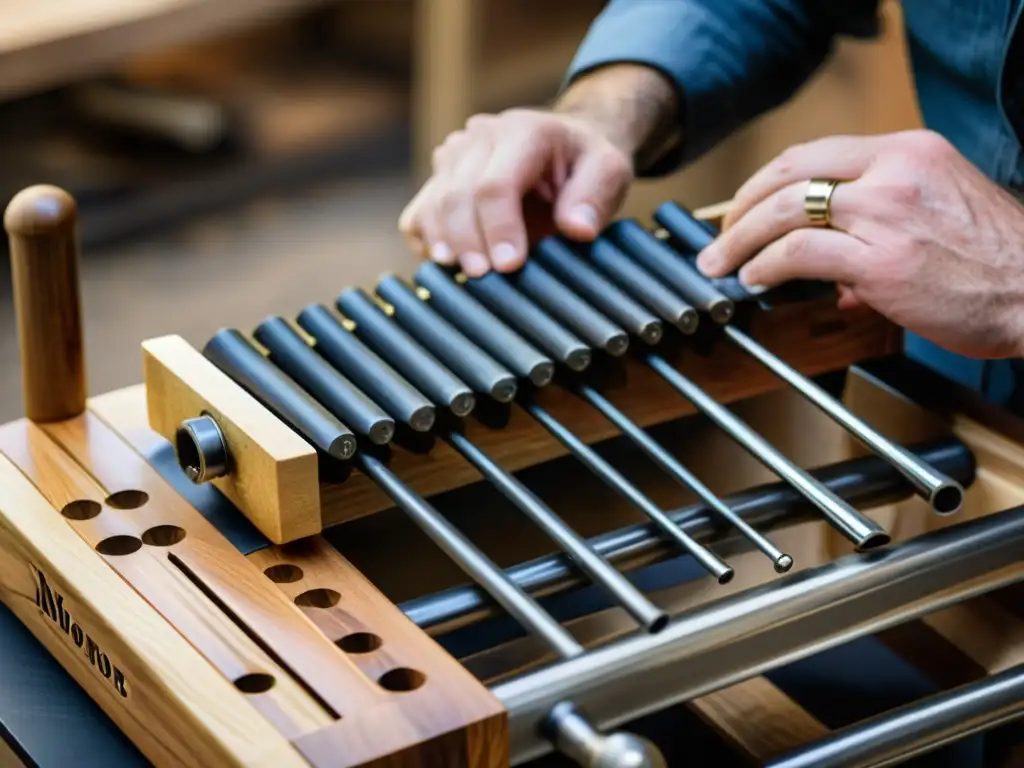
(163, 536)
(82, 509)
(402, 679)
(119, 545)
(318, 598)
(130, 499)
(255, 682)
(360, 642)
(284, 573)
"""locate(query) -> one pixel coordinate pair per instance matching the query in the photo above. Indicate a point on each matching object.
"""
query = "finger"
(457, 209)
(847, 299)
(807, 254)
(519, 163)
(420, 227)
(597, 185)
(770, 219)
(834, 157)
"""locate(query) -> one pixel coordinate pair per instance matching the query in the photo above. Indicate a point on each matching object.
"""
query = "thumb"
(597, 185)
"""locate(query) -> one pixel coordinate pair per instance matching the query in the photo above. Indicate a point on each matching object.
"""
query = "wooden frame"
(290, 655)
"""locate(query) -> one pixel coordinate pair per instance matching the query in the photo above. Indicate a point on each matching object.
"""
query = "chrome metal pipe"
(918, 728)
(864, 482)
(472, 561)
(739, 637)
(943, 493)
(863, 532)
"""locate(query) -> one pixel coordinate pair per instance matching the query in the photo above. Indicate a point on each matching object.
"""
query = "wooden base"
(292, 656)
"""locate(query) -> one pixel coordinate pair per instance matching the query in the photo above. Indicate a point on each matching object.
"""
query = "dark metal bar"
(903, 734)
(293, 355)
(754, 631)
(378, 380)
(607, 297)
(944, 494)
(446, 342)
(561, 303)
(673, 467)
(642, 285)
(684, 227)
(615, 480)
(864, 482)
(472, 561)
(498, 295)
(233, 354)
(481, 326)
(380, 333)
(646, 613)
(863, 532)
(658, 258)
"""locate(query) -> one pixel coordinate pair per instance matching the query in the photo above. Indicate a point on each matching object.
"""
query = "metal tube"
(646, 613)
(233, 354)
(866, 482)
(919, 728)
(293, 355)
(498, 295)
(617, 482)
(684, 227)
(481, 326)
(561, 303)
(741, 636)
(673, 467)
(377, 379)
(863, 532)
(446, 342)
(385, 337)
(944, 494)
(642, 285)
(472, 561)
(607, 297)
(643, 246)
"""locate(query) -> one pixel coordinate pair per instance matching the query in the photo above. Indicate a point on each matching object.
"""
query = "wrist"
(634, 107)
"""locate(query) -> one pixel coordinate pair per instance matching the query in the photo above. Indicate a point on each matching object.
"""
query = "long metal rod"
(681, 474)
(863, 532)
(919, 728)
(742, 636)
(472, 561)
(943, 493)
(646, 613)
(865, 481)
(617, 482)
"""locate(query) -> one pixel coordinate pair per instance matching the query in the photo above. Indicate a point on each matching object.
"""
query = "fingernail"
(708, 263)
(584, 216)
(752, 288)
(474, 264)
(504, 255)
(442, 254)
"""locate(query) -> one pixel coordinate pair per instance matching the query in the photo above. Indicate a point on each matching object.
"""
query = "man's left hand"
(917, 233)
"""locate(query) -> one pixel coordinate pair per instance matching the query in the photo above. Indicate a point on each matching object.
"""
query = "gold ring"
(818, 201)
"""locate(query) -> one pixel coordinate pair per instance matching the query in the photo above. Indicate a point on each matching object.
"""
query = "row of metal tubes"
(919, 728)
(570, 731)
(944, 495)
(864, 482)
(523, 316)
(738, 637)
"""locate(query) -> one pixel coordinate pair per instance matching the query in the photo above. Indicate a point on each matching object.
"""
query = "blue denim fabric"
(733, 60)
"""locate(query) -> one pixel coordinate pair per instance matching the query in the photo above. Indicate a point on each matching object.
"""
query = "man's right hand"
(507, 180)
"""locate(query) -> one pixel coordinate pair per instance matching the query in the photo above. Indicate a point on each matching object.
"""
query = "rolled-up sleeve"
(730, 60)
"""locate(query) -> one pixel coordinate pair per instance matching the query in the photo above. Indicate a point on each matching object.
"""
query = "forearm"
(635, 107)
(726, 61)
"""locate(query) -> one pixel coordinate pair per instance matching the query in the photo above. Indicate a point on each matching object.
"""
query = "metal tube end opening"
(463, 404)
(381, 433)
(873, 540)
(201, 449)
(542, 374)
(947, 498)
(688, 321)
(504, 391)
(579, 359)
(423, 419)
(617, 345)
(722, 310)
(652, 333)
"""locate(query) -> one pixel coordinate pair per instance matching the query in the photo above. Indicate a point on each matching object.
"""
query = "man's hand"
(507, 180)
(918, 234)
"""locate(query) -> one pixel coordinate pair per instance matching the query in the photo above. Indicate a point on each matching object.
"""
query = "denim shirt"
(732, 60)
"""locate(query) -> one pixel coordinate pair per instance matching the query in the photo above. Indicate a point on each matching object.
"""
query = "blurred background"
(237, 158)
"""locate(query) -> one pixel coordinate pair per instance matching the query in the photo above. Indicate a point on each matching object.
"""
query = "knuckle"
(798, 244)
(616, 164)
(480, 122)
(492, 188)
